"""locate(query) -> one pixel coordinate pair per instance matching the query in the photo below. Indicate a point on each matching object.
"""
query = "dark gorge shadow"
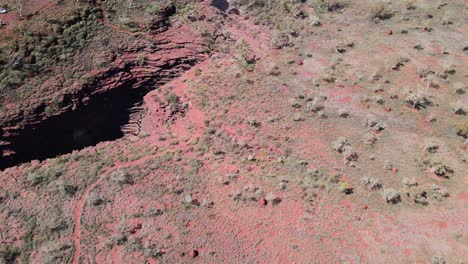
(99, 120)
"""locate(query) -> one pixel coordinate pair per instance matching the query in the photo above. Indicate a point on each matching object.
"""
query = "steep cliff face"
(96, 111)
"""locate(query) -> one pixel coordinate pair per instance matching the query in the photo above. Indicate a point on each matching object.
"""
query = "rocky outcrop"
(139, 67)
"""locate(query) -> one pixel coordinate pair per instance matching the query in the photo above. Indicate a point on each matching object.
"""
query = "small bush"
(380, 11)
(69, 189)
(47, 174)
(187, 13)
(172, 98)
(374, 184)
(459, 109)
(421, 198)
(173, 101)
(417, 101)
(279, 40)
(349, 154)
(35, 178)
(440, 169)
(121, 177)
(329, 5)
(431, 147)
(372, 123)
(340, 144)
(438, 192)
(438, 260)
(344, 188)
(409, 182)
(244, 57)
(391, 196)
(141, 59)
(9, 255)
(462, 129)
(369, 139)
(253, 122)
(51, 109)
(314, 106)
(336, 5)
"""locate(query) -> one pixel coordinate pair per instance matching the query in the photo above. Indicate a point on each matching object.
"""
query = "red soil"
(226, 173)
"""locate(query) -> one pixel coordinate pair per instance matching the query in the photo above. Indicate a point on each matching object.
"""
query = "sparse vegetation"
(256, 134)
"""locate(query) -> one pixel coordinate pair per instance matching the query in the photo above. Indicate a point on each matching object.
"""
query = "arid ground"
(241, 131)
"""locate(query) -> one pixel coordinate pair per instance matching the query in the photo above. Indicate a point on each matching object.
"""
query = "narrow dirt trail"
(77, 217)
(82, 201)
(80, 204)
